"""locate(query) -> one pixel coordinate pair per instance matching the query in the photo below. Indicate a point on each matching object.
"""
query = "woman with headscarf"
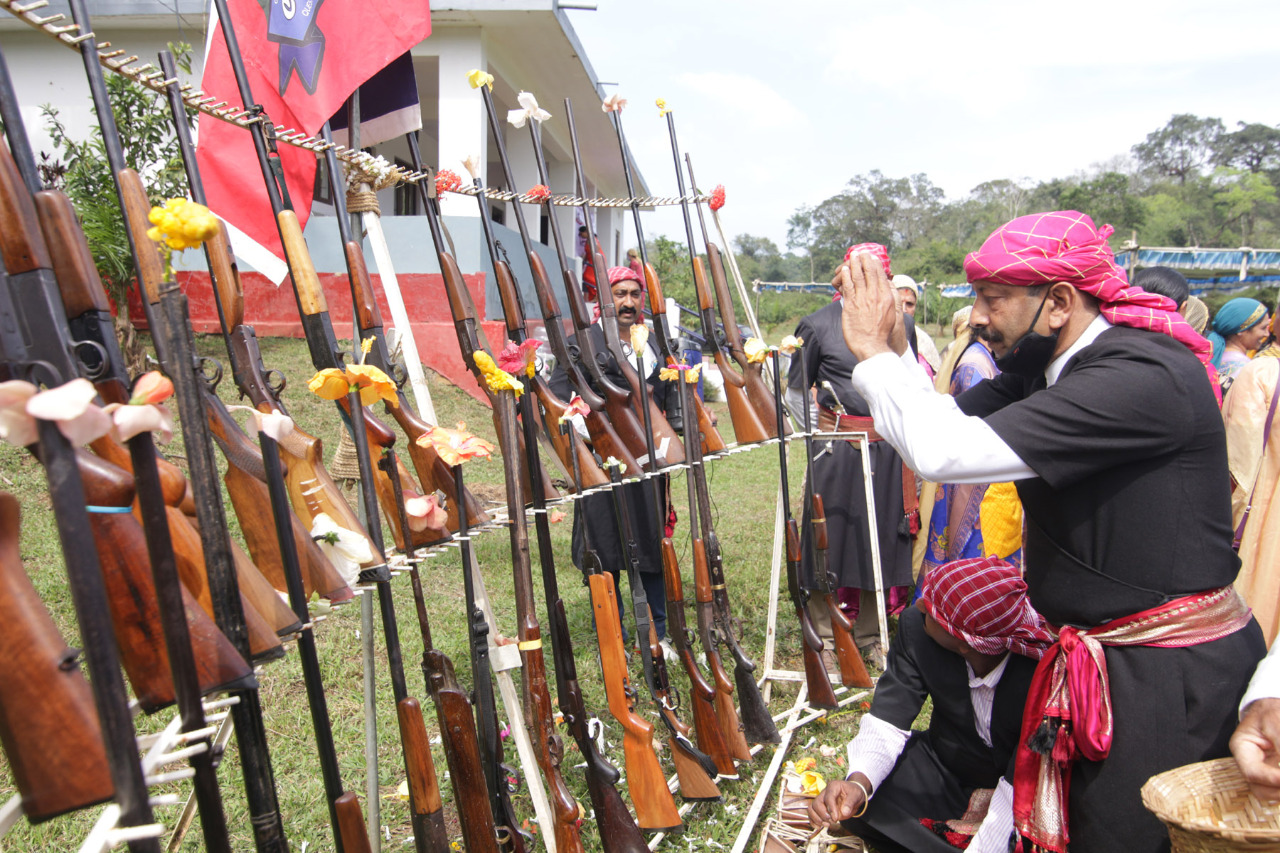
(1239, 327)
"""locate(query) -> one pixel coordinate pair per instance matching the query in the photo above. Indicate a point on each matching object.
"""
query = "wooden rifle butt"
(424, 786)
(57, 757)
(696, 784)
(726, 713)
(387, 500)
(462, 753)
(549, 491)
(435, 475)
(853, 671)
(607, 442)
(821, 695)
(351, 828)
(712, 441)
(262, 594)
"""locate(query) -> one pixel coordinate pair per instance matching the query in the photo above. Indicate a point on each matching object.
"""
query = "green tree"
(80, 169)
(1108, 200)
(1255, 147)
(1180, 148)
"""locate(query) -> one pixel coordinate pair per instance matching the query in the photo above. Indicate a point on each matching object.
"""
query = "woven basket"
(1208, 809)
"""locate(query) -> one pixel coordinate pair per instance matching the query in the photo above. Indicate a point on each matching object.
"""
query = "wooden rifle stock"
(748, 426)
(226, 277)
(726, 713)
(706, 725)
(853, 671)
(815, 672)
(424, 788)
(752, 373)
(432, 470)
(655, 807)
(351, 828)
(122, 550)
(246, 484)
(56, 753)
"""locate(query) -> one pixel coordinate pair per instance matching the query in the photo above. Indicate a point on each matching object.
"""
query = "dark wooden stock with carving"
(655, 807)
(752, 373)
(726, 711)
(552, 406)
(612, 425)
(748, 426)
(48, 724)
(351, 828)
(815, 672)
(432, 471)
(461, 750)
(711, 737)
(853, 671)
(427, 809)
(126, 570)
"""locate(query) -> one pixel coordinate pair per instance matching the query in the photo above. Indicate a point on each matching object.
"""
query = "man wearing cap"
(837, 474)
(971, 645)
(909, 296)
(597, 511)
(1106, 417)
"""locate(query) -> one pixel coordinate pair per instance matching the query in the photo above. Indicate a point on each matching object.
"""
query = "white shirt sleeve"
(1265, 683)
(876, 749)
(937, 440)
(993, 835)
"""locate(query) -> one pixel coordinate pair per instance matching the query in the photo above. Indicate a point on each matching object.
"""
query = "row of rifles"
(164, 594)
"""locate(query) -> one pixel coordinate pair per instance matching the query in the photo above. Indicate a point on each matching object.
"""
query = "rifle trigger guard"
(555, 745)
(94, 368)
(210, 370)
(399, 375)
(512, 777)
(691, 638)
(276, 381)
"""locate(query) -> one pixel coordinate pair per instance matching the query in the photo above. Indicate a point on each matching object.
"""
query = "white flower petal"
(64, 402)
(91, 424)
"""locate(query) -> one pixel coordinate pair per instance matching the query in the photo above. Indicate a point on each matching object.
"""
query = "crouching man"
(971, 645)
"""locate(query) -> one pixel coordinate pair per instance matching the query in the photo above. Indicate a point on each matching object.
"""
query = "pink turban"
(1066, 246)
(617, 274)
(984, 603)
(874, 248)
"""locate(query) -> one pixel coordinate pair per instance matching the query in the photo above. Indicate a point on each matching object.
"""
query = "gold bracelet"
(866, 799)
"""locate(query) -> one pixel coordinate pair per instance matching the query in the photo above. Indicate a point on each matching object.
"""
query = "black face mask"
(1031, 353)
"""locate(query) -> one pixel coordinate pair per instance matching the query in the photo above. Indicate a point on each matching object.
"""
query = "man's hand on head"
(871, 320)
(1256, 747)
(838, 802)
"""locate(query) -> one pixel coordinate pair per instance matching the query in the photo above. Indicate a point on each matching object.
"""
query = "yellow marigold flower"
(495, 377)
(669, 374)
(692, 373)
(329, 384)
(756, 350)
(661, 104)
(181, 224)
(812, 783)
(806, 763)
(478, 78)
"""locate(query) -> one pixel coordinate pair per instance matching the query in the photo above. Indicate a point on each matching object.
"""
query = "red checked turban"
(617, 274)
(874, 248)
(984, 603)
(1066, 246)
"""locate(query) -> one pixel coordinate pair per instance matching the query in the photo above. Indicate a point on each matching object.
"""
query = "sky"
(783, 103)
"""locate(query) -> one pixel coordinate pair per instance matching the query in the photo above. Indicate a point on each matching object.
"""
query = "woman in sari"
(1239, 327)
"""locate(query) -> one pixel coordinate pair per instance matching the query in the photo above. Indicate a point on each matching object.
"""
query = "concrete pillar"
(525, 168)
(462, 125)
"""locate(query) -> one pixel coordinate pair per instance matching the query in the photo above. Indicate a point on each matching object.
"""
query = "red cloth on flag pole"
(303, 60)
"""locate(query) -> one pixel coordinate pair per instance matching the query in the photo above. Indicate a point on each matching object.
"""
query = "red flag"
(303, 59)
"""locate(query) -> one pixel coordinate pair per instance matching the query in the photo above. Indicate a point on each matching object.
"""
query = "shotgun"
(752, 373)
(600, 418)
(548, 748)
(815, 671)
(432, 470)
(57, 758)
(695, 769)
(655, 807)
(711, 440)
(453, 710)
(749, 426)
(617, 400)
(618, 832)
(665, 436)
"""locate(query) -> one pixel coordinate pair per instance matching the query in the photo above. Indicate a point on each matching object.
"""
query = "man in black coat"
(971, 646)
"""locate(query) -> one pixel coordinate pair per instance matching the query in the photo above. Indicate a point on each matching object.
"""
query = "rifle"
(666, 436)
(815, 671)
(749, 426)
(453, 710)
(853, 672)
(752, 373)
(617, 401)
(711, 440)
(548, 748)
(655, 807)
(600, 426)
(618, 832)
(58, 761)
(432, 470)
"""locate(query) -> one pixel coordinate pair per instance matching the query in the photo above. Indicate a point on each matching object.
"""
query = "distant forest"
(1192, 182)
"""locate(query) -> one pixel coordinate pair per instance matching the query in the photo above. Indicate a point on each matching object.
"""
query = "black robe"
(596, 514)
(941, 767)
(837, 468)
(1131, 508)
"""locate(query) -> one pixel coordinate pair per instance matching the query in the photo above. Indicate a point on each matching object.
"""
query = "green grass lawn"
(744, 488)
